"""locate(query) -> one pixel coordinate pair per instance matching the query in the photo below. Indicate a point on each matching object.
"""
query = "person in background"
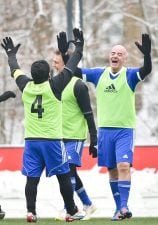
(3, 97)
(2, 213)
(77, 116)
(44, 148)
(116, 117)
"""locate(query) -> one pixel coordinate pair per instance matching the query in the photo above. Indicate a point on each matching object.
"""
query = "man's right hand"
(9, 47)
(63, 45)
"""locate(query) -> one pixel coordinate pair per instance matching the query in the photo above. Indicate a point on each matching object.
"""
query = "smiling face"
(117, 58)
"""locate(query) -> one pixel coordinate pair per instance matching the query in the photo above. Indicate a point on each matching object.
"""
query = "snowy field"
(143, 200)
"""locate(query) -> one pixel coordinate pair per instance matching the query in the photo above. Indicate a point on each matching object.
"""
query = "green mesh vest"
(42, 110)
(115, 101)
(74, 123)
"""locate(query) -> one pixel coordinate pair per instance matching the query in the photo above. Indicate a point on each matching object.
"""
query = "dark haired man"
(78, 119)
(44, 148)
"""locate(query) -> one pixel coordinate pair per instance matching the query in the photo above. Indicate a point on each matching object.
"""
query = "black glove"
(78, 37)
(145, 48)
(93, 146)
(9, 47)
(6, 95)
(63, 44)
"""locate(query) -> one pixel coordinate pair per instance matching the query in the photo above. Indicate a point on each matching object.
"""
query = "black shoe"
(125, 213)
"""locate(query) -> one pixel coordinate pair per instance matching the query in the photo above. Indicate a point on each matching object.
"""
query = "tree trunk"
(131, 33)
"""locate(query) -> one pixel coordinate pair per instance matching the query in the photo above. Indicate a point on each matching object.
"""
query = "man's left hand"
(145, 47)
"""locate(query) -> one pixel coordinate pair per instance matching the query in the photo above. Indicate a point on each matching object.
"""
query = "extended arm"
(63, 46)
(146, 68)
(11, 50)
(6, 95)
(60, 81)
(83, 100)
(145, 48)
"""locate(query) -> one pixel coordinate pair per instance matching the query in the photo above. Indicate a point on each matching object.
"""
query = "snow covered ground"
(143, 200)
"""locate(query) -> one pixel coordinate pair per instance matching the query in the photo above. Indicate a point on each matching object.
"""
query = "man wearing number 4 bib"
(44, 148)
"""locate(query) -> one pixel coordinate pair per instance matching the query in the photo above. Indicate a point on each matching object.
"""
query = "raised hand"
(145, 47)
(78, 37)
(9, 47)
(63, 44)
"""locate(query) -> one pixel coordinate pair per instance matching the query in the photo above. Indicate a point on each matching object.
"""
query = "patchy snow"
(142, 202)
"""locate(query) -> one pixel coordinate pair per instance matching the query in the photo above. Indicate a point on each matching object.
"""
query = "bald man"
(116, 117)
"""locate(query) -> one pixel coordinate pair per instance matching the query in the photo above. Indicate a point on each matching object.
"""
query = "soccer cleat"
(31, 218)
(116, 216)
(125, 213)
(2, 213)
(76, 216)
(89, 209)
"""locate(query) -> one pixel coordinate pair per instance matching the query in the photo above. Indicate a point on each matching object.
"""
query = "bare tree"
(35, 23)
